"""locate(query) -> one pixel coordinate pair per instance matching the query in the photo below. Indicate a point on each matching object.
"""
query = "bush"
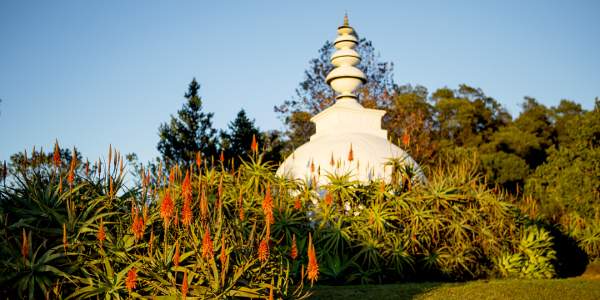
(213, 231)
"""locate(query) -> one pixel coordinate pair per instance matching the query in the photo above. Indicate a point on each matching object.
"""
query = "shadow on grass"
(384, 291)
(571, 260)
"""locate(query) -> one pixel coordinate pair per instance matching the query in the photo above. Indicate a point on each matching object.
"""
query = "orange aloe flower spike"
(56, 157)
(350, 154)
(184, 286)
(313, 267)
(198, 159)
(130, 280)
(254, 146)
(176, 256)
(24, 245)
(101, 234)
(166, 208)
(406, 139)
(294, 250)
(263, 250)
(223, 255)
(207, 244)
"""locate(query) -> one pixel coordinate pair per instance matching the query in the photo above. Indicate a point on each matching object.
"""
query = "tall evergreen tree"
(188, 132)
(236, 142)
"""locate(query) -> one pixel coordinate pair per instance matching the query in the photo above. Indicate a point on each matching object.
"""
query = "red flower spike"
(71, 177)
(101, 234)
(176, 256)
(186, 213)
(24, 245)
(203, 205)
(350, 154)
(297, 203)
(267, 206)
(137, 227)
(171, 176)
(130, 280)
(222, 157)
(186, 187)
(254, 146)
(184, 286)
(328, 199)
(186, 210)
(406, 139)
(207, 244)
(294, 250)
(56, 157)
(166, 208)
(198, 159)
(242, 215)
(313, 267)
(263, 250)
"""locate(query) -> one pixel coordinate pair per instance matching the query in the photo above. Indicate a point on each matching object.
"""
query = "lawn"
(568, 289)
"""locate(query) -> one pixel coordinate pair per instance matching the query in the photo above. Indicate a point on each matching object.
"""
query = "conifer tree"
(188, 132)
(237, 140)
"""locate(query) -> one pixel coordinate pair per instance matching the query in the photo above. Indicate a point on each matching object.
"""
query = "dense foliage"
(75, 231)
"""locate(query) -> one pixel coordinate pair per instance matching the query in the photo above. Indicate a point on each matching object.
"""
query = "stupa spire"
(345, 78)
(344, 126)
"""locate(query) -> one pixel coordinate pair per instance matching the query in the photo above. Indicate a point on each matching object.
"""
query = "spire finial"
(345, 77)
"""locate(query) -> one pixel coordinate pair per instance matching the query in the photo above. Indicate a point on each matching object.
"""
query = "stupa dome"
(348, 138)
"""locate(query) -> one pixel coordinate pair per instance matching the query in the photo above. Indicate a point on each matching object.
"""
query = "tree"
(568, 181)
(410, 122)
(467, 117)
(505, 157)
(314, 95)
(236, 142)
(563, 114)
(273, 146)
(536, 119)
(189, 132)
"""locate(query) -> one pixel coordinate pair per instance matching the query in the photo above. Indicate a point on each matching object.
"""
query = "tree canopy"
(189, 132)
(236, 142)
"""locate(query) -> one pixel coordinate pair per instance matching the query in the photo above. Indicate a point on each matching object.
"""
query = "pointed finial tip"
(346, 19)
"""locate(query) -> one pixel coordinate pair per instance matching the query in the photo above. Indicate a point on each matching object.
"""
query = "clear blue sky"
(94, 73)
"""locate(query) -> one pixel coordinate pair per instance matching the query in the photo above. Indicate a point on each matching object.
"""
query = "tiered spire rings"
(345, 78)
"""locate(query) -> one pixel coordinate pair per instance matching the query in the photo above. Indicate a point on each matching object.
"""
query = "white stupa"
(348, 138)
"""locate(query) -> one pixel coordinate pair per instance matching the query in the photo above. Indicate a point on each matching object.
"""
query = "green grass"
(565, 289)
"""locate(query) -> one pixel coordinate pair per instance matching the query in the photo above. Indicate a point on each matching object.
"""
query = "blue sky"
(94, 73)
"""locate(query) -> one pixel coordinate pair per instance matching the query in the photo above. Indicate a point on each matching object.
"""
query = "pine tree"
(188, 132)
(237, 140)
